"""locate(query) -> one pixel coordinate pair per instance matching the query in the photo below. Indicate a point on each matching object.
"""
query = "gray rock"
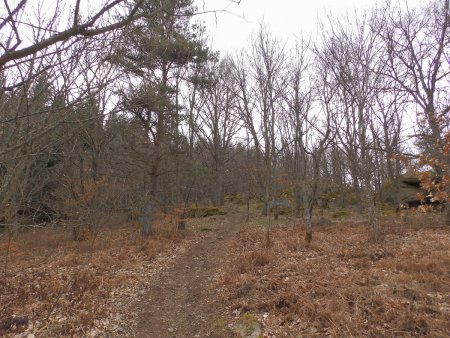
(249, 327)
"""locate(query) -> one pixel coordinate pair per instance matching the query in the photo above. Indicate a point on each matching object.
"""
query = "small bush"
(352, 198)
(321, 221)
(387, 208)
(339, 214)
(234, 198)
(252, 261)
(194, 212)
(325, 198)
(133, 215)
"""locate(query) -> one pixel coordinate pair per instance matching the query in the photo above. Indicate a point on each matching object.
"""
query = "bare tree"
(298, 99)
(36, 122)
(307, 128)
(47, 70)
(259, 81)
(47, 31)
(417, 44)
(219, 122)
(351, 55)
(387, 128)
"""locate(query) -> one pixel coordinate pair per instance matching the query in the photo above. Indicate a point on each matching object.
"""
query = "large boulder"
(412, 195)
(410, 188)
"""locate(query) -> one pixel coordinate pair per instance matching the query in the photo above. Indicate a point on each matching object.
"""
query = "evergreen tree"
(151, 53)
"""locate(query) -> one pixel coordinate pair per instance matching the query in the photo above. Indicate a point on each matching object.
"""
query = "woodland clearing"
(203, 281)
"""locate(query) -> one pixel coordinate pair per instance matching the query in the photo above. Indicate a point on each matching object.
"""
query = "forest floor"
(205, 281)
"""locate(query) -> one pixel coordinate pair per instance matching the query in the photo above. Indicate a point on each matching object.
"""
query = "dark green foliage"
(164, 37)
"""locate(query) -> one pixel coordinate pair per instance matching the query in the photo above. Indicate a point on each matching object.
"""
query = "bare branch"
(81, 30)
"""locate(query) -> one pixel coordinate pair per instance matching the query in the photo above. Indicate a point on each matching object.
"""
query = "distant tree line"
(135, 113)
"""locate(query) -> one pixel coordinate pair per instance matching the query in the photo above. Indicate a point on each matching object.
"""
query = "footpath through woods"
(218, 280)
(181, 300)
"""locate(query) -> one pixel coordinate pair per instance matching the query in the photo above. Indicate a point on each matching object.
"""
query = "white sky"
(285, 18)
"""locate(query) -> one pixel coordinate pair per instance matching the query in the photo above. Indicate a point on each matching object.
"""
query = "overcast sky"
(285, 18)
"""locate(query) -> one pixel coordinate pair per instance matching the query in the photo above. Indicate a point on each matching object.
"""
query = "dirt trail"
(181, 302)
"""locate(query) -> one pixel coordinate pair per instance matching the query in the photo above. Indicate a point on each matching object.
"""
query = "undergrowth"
(341, 285)
(64, 287)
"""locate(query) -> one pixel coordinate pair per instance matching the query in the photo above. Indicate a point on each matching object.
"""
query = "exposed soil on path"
(181, 301)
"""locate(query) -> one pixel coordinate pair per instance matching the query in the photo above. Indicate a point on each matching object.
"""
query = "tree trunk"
(447, 206)
(267, 225)
(276, 213)
(308, 222)
(267, 230)
(218, 193)
(298, 200)
(374, 221)
(146, 220)
(181, 224)
(95, 167)
(266, 207)
(308, 201)
(448, 214)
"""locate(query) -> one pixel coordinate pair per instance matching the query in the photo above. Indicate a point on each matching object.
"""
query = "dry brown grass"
(63, 286)
(341, 285)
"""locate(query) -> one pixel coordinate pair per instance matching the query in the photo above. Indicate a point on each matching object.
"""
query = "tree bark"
(372, 210)
(447, 206)
(308, 222)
